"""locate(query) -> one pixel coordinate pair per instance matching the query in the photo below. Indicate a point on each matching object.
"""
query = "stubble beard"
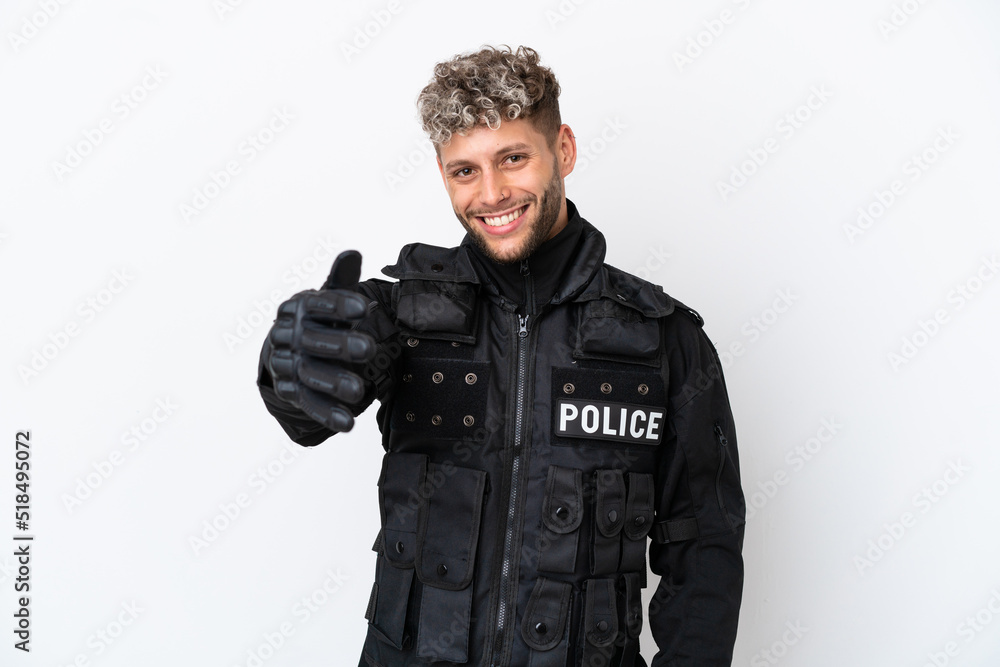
(539, 229)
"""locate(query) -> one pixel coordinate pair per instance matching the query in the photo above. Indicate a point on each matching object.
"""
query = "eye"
(463, 172)
(515, 159)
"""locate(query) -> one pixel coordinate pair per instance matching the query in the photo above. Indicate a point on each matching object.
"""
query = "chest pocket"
(436, 309)
(607, 329)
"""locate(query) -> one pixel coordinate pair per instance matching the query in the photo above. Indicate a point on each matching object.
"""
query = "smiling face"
(506, 186)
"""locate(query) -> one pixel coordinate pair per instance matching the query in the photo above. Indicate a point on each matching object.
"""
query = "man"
(542, 413)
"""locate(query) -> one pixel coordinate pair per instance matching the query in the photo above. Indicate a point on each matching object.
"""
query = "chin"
(502, 253)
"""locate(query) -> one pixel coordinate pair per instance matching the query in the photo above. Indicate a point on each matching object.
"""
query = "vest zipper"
(508, 588)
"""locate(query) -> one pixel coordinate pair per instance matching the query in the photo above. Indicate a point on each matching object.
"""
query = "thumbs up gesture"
(317, 357)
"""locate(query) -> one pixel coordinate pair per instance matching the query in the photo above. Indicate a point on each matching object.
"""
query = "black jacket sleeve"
(380, 372)
(698, 538)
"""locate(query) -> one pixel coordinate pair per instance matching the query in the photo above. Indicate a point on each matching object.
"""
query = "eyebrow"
(509, 148)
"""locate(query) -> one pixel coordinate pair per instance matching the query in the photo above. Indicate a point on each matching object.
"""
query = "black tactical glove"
(317, 361)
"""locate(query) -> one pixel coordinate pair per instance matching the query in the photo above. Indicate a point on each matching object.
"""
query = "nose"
(493, 184)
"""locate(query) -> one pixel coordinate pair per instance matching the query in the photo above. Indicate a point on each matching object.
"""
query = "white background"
(826, 548)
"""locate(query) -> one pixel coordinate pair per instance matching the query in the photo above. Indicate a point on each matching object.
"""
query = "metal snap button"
(606, 388)
(639, 521)
(612, 516)
(399, 547)
(410, 416)
(407, 377)
(569, 388)
(540, 628)
(437, 268)
(455, 343)
(412, 342)
(442, 569)
(469, 420)
(471, 378)
(562, 512)
(602, 626)
(436, 420)
(438, 378)
(643, 389)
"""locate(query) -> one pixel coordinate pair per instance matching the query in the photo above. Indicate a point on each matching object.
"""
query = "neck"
(532, 282)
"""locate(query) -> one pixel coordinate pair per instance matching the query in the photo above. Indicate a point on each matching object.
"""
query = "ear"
(566, 150)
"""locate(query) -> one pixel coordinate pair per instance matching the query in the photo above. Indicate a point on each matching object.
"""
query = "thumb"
(346, 271)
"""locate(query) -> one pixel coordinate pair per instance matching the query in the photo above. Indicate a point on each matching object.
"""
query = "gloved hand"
(317, 360)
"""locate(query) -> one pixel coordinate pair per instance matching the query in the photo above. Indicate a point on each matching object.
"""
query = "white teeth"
(504, 219)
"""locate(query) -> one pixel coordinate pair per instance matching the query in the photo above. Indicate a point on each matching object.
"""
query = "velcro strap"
(678, 530)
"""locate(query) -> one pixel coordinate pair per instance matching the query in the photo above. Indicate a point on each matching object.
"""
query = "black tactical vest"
(519, 481)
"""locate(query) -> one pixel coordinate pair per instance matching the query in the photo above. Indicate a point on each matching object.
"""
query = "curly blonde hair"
(487, 87)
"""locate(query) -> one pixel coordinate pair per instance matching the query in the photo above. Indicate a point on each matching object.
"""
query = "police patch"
(601, 420)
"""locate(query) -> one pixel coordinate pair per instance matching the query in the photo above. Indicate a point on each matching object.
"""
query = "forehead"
(483, 143)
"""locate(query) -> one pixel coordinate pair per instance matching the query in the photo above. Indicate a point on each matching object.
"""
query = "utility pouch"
(562, 514)
(388, 604)
(630, 604)
(638, 521)
(446, 552)
(609, 517)
(600, 622)
(399, 502)
(544, 626)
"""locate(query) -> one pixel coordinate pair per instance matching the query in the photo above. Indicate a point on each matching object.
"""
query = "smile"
(505, 219)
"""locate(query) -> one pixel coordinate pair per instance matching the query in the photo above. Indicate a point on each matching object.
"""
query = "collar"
(560, 268)
(581, 274)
